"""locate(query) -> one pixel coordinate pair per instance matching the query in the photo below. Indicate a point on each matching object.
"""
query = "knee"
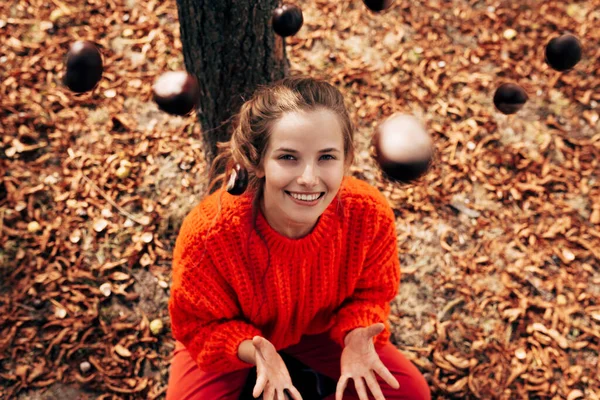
(415, 387)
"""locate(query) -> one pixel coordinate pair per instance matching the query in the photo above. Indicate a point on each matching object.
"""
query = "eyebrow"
(327, 150)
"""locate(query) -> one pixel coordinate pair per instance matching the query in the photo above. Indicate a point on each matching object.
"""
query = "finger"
(269, 393)
(361, 389)
(386, 375)
(260, 385)
(374, 386)
(294, 393)
(341, 386)
(376, 329)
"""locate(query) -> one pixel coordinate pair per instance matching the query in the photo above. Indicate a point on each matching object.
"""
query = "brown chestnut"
(563, 52)
(176, 92)
(84, 66)
(287, 20)
(38, 304)
(238, 180)
(510, 98)
(378, 5)
(403, 148)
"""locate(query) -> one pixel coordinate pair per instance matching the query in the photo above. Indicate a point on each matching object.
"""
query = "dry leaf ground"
(499, 243)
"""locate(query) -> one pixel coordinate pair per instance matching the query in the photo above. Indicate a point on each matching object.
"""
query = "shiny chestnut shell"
(176, 92)
(563, 52)
(403, 148)
(378, 5)
(510, 98)
(287, 20)
(83, 66)
(238, 180)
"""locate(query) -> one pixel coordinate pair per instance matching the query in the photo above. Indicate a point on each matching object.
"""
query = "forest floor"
(499, 241)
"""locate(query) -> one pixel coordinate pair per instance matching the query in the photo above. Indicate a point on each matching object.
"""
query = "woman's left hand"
(360, 361)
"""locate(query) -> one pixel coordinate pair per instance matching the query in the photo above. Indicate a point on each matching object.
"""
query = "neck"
(287, 228)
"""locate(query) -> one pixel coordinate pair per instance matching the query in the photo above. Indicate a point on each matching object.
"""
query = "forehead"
(305, 130)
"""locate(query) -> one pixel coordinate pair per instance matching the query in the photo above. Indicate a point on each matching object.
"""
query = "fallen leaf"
(122, 351)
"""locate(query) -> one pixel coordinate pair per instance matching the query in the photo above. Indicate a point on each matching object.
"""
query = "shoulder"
(216, 214)
(364, 198)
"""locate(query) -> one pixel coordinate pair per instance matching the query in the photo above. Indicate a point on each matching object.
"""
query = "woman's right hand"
(272, 375)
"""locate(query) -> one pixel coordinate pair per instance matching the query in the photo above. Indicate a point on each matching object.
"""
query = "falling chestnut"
(378, 5)
(84, 66)
(176, 92)
(403, 148)
(563, 52)
(38, 304)
(510, 98)
(238, 180)
(287, 20)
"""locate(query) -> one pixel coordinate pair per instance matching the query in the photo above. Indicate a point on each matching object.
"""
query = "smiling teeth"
(305, 197)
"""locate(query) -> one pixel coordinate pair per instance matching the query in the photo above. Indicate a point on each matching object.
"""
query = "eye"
(291, 158)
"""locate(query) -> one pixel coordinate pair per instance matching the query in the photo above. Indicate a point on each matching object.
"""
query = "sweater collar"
(324, 229)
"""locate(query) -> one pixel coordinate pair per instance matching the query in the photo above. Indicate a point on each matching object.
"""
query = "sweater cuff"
(220, 353)
(360, 315)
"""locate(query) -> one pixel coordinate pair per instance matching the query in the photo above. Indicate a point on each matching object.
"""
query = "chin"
(306, 214)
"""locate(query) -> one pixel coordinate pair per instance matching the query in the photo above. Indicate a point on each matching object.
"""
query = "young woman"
(304, 262)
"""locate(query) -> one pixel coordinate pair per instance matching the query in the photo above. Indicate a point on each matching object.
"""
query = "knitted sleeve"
(377, 285)
(204, 311)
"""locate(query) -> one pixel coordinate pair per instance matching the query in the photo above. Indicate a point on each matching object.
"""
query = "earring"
(238, 180)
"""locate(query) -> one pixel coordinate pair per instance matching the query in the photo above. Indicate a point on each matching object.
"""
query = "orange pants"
(319, 352)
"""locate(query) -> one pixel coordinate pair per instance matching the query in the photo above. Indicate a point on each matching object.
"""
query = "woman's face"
(303, 169)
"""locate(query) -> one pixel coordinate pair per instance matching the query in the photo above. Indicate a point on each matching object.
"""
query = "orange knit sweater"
(342, 275)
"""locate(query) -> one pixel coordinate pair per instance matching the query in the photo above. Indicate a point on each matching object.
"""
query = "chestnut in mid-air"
(563, 52)
(84, 66)
(403, 148)
(238, 180)
(176, 92)
(510, 98)
(378, 5)
(287, 20)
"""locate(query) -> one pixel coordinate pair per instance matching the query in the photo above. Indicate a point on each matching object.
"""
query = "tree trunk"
(230, 46)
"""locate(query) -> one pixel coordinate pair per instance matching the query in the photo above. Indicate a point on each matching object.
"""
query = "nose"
(309, 177)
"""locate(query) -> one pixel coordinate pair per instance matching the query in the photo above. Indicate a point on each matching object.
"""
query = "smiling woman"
(303, 263)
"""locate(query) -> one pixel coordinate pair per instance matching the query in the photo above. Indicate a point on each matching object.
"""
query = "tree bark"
(230, 46)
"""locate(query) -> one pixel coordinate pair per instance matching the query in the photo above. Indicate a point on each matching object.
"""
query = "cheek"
(334, 176)
(278, 177)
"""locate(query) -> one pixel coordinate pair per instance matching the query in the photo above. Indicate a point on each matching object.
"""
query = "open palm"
(360, 361)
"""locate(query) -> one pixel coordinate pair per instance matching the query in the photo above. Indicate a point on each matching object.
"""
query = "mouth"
(305, 202)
